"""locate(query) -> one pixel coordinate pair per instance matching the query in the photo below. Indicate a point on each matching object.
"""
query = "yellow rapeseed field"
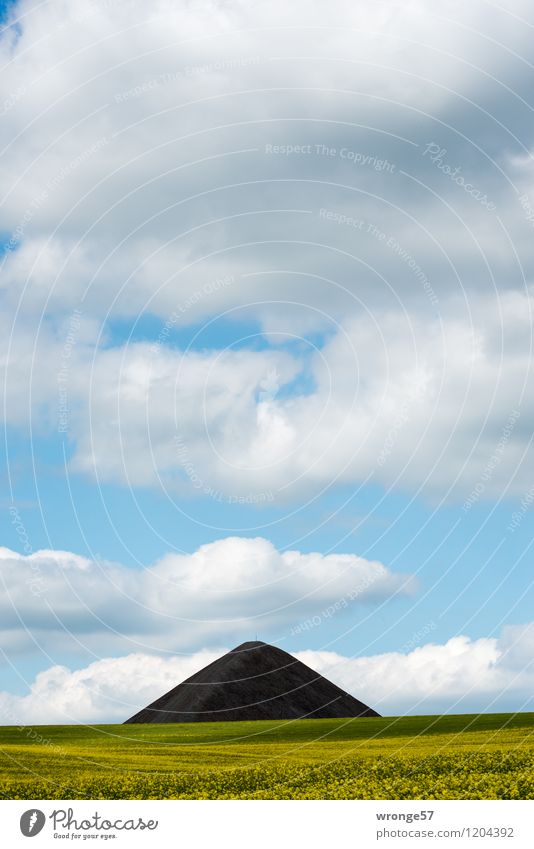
(450, 757)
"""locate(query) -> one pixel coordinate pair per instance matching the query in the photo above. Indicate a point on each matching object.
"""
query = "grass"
(467, 756)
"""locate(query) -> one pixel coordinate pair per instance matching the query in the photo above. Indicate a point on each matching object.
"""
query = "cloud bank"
(57, 601)
(462, 675)
(178, 165)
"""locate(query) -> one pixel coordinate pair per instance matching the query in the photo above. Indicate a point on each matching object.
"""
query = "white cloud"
(155, 413)
(135, 173)
(460, 676)
(126, 198)
(135, 145)
(102, 691)
(57, 601)
(376, 399)
(463, 675)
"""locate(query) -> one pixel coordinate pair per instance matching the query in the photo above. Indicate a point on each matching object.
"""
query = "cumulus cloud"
(355, 198)
(438, 404)
(160, 167)
(102, 691)
(462, 675)
(137, 164)
(55, 600)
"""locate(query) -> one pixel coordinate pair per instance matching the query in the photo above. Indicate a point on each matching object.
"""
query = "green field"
(449, 757)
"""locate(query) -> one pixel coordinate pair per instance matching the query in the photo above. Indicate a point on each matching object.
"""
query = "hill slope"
(253, 681)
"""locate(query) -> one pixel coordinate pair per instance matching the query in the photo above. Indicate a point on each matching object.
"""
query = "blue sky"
(267, 340)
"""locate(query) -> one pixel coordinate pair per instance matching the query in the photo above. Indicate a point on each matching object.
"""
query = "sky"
(266, 341)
